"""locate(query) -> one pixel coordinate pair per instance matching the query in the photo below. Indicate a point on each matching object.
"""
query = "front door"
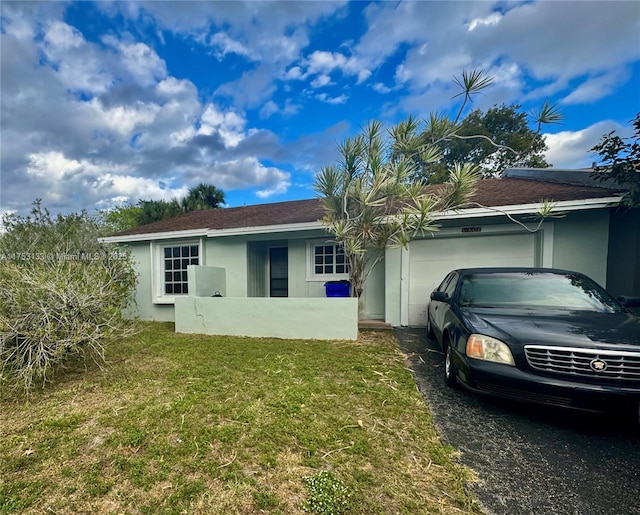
(278, 272)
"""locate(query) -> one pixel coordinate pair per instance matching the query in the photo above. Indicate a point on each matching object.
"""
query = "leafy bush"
(327, 494)
(62, 294)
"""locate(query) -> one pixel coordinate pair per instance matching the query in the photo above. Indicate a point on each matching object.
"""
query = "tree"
(128, 216)
(503, 126)
(203, 196)
(62, 294)
(375, 197)
(496, 139)
(156, 210)
(621, 162)
(371, 201)
(120, 218)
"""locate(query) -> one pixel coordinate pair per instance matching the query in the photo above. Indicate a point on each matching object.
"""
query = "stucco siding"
(324, 319)
(299, 285)
(392, 286)
(146, 309)
(580, 243)
(623, 266)
(229, 253)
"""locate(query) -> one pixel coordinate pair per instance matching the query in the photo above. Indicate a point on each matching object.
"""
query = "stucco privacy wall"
(312, 318)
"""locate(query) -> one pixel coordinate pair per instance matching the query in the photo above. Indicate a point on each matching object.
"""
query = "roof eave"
(524, 209)
(167, 235)
(265, 229)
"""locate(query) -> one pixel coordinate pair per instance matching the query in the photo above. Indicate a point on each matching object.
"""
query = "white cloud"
(269, 109)
(598, 87)
(52, 166)
(229, 125)
(226, 45)
(569, 149)
(171, 88)
(127, 187)
(278, 189)
(381, 88)
(78, 62)
(320, 81)
(341, 99)
(63, 37)
(143, 64)
(249, 172)
(125, 119)
(102, 183)
(492, 19)
(322, 63)
(294, 73)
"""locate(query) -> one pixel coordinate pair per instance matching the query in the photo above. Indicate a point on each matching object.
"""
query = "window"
(327, 260)
(171, 272)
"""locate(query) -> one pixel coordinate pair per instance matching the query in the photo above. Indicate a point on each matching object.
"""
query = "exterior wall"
(299, 286)
(147, 310)
(373, 296)
(229, 253)
(393, 280)
(245, 262)
(623, 266)
(256, 269)
(313, 318)
(580, 243)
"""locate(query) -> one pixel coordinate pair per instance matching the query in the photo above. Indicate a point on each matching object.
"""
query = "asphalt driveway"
(531, 460)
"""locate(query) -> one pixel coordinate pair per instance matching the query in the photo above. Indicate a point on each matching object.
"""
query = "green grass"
(200, 424)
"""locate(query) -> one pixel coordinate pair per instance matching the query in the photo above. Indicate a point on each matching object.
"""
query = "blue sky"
(109, 102)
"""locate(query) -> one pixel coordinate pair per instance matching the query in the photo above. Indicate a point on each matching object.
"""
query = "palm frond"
(548, 113)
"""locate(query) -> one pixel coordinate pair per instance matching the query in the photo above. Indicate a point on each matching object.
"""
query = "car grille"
(601, 364)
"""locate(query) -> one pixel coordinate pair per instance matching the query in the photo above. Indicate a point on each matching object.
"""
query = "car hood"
(556, 327)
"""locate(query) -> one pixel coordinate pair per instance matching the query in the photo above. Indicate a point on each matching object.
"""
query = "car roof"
(495, 270)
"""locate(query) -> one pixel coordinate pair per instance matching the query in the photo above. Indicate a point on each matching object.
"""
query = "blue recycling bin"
(337, 288)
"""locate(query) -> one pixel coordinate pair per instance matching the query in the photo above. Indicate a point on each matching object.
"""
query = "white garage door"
(430, 260)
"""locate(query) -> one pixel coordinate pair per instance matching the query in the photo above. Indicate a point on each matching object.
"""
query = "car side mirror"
(440, 296)
(629, 302)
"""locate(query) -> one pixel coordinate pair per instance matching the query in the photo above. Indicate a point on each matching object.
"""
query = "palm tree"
(203, 196)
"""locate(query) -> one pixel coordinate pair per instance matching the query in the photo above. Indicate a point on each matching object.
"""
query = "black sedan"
(538, 335)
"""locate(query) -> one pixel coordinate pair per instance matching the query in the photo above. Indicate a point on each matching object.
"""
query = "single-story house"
(278, 250)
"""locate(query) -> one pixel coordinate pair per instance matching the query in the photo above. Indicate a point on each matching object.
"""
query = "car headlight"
(487, 348)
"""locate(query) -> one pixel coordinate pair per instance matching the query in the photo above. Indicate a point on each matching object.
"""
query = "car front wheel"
(449, 368)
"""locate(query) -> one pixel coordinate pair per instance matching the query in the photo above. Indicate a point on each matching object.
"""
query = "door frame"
(268, 278)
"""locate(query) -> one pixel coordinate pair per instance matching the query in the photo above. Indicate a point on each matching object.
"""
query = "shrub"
(62, 294)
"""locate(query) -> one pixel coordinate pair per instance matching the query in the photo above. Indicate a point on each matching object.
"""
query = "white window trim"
(157, 268)
(311, 275)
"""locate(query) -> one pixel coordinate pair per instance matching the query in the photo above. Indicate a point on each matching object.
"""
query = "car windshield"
(542, 289)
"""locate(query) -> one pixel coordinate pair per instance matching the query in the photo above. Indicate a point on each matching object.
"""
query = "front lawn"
(204, 425)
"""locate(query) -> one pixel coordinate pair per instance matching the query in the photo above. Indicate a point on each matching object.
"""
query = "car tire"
(450, 378)
(430, 334)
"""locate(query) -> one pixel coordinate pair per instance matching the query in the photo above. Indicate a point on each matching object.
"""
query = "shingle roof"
(490, 193)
